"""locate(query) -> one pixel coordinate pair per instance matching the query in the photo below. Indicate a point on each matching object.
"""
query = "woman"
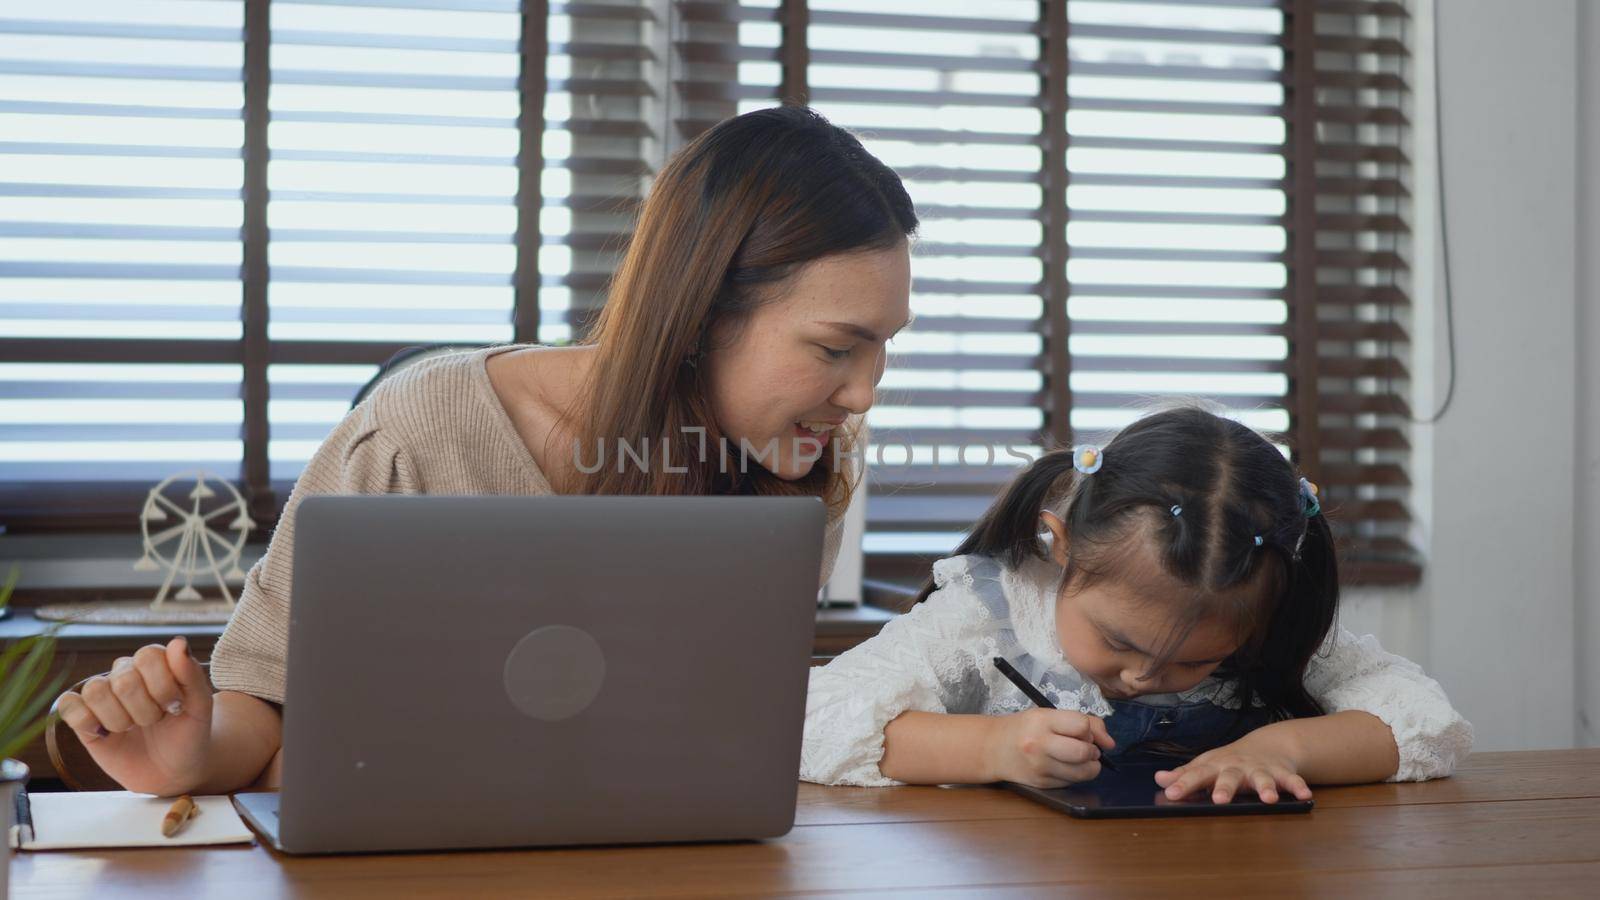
(768, 268)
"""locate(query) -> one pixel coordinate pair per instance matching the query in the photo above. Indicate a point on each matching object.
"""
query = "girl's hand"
(1046, 748)
(1259, 765)
(147, 723)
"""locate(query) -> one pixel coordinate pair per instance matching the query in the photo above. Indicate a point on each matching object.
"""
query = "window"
(120, 250)
(1120, 199)
(392, 186)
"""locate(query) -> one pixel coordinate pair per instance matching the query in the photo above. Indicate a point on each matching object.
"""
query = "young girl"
(1179, 606)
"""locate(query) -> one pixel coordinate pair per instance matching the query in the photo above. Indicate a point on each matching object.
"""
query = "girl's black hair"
(1228, 485)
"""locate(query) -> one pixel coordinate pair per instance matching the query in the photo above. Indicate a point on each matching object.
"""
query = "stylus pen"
(23, 814)
(1033, 694)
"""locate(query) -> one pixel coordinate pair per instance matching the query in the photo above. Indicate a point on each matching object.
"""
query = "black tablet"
(1131, 792)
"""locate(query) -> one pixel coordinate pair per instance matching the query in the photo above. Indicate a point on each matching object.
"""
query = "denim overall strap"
(1153, 732)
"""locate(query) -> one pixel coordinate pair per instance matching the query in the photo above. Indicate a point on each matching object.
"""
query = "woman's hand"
(1046, 748)
(147, 723)
(1255, 762)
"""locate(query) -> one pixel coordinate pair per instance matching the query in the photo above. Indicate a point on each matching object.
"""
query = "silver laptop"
(469, 672)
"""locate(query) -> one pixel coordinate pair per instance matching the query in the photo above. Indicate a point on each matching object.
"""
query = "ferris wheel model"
(210, 525)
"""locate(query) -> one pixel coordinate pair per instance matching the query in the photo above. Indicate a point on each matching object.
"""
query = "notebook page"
(79, 820)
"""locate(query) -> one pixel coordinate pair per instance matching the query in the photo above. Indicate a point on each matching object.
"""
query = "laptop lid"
(514, 671)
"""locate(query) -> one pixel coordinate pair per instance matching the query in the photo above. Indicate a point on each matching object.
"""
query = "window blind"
(1352, 303)
(120, 212)
(1121, 201)
(951, 102)
(393, 178)
(601, 147)
(1177, 251)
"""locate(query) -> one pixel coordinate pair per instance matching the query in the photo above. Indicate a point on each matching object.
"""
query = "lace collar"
(1023, 601)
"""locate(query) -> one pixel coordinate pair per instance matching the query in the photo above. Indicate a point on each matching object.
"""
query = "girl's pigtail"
(1185, 537)
(1300, 624)
(1009, 528)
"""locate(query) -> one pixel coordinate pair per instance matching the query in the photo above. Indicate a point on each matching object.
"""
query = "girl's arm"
(1285, 758)
(922, 661)
(1046, 748)
(938, 748)
(1348, 747)
(1429, 738)
(1386, 721)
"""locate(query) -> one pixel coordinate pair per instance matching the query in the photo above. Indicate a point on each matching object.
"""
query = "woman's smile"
(808, 429)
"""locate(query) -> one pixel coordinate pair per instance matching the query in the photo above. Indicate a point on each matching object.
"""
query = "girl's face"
(803, 363)
(1110, 629)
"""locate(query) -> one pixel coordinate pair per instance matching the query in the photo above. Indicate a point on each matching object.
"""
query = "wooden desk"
(1522, 824)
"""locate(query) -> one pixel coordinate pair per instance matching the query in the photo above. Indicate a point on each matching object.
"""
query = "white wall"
(1495, 617)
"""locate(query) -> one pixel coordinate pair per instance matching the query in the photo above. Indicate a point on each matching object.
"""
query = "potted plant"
(26, 692)
(8, 587)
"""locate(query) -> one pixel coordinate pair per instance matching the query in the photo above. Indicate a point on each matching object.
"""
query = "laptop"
(490, 671)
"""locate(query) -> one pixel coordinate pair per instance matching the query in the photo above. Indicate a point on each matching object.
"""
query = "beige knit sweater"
(435, 428)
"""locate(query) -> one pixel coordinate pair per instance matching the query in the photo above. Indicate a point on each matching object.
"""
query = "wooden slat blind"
(596, 170)
(384, 145)
(969, 372)
(392, 185)
(1120, 199)
(1177, 246)
(1350, 136)
(120, 214)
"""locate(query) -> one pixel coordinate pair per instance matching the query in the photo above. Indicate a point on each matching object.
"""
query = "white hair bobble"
(1087, 458)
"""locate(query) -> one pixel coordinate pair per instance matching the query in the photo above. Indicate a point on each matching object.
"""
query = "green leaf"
(37, 654)
(9, 657)
(19, 688)
(17, 648)
(11, 748)
(42, 701)
(10, 585)
(23, 693)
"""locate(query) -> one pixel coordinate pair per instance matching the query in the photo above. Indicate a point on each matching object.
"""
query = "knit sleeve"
(924, 660)
(1357, 673)
(356, 458)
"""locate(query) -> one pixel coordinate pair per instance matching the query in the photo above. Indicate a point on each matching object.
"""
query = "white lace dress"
(937, 658)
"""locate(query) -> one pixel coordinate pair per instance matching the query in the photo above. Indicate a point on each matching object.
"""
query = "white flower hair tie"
(1087, 458)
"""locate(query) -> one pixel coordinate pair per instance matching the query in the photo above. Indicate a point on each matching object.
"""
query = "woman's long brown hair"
(734, 212)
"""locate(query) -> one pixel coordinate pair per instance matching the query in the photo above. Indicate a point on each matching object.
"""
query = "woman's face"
(802, 363)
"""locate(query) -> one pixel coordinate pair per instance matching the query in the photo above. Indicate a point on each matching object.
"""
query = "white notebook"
(85, 819)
